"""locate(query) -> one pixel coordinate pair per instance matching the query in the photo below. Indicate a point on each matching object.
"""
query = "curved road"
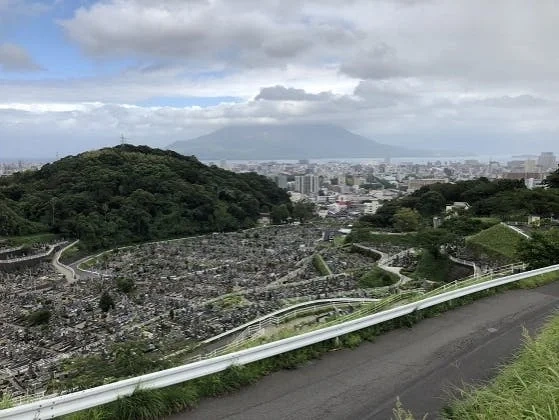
(420, 365)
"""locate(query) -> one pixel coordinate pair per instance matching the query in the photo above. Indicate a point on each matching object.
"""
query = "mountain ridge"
(293, 141)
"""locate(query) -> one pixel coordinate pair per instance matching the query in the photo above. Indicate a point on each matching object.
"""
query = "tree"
(124, 284)
(106, 302)
(359, 234)
(552, 180)
(384, 215)
(279, 214)
(540, 251)
(406, 220)
(303, 211)
(431, 203)
(433, 239)
(42, 316)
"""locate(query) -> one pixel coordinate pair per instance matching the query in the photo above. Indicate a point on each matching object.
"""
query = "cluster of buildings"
(338, 187)
(11, 167)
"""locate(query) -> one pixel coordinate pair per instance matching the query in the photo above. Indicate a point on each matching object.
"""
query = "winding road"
(421, 365)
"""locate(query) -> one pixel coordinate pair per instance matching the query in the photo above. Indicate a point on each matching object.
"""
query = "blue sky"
(422, 73)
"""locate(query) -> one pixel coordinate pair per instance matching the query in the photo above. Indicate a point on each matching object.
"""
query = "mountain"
(296, 141)
(129, 194)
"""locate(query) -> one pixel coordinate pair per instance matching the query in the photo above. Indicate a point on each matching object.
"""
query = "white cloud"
(15, 58)
(407, 71)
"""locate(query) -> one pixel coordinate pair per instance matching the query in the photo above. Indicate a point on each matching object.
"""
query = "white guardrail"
(76, 401)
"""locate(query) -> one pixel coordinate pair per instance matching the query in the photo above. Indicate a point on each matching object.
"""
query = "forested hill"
(132, 193)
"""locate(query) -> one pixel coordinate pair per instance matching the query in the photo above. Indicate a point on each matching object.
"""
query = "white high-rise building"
(547, 161)
(307, 184)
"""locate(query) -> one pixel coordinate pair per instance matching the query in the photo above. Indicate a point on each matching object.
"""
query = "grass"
(432, 268)
(406, 239)
(528, 388)
(31, 239)
(320, 265)
(498, 241)
(377, 277)
(6, 401)
(230, 302)
(173, 399)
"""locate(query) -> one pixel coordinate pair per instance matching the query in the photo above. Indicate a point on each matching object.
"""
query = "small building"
(534, 220)
(264, 219)
(371, 207)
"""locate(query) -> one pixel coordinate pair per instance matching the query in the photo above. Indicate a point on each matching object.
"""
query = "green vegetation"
(303, 211)
(320, 265)
(538, 281)
(361, 233)
(124, 284)
(377, 277)
(106, 302)
(6, 401)
(122, 360)
(39, 317)
(467, 226)
(406, 220)
(498, 240)
(28, 240)
(128, 194)
(433, 268)
(230, 302)
(540, 251)
(525, 389)
(13, 224)
(552, 180)
(501, 199)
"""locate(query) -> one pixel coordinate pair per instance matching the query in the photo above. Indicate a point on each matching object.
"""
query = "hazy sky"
(473, 75)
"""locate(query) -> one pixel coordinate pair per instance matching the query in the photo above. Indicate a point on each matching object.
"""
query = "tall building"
(529, 165)
(281, 181)
(307, 184)
(547, 160)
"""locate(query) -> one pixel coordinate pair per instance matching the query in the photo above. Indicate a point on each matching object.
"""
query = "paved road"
(420, 365)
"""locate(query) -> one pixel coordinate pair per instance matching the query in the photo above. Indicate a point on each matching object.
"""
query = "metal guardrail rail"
(76, 401)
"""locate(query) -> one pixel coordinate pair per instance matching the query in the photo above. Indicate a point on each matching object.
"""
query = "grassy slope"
(406, 239)
(526, 389)
(498, 239)
(377, 277)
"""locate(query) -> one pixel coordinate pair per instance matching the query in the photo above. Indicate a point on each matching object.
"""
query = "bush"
(320, 265)
(124, 284)
(377, 277)
(40, 317)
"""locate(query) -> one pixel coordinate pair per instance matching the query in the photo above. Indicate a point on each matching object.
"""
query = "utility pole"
(52, 201)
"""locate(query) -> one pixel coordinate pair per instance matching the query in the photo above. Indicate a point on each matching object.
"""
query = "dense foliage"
(503, 198)
(133, 193)
(540, 251)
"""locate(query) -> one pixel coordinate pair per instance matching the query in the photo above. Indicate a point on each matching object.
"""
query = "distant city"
(336, 186)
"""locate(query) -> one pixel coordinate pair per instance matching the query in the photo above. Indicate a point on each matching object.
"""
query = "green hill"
(12, 224)
(130, 193)
(497, 241)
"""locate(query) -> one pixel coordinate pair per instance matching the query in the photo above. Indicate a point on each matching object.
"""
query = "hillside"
(12, 224)
(498, 241)
(128, 194)
(296, 141)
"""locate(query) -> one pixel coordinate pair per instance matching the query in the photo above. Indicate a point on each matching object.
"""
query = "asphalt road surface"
(420, 365)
